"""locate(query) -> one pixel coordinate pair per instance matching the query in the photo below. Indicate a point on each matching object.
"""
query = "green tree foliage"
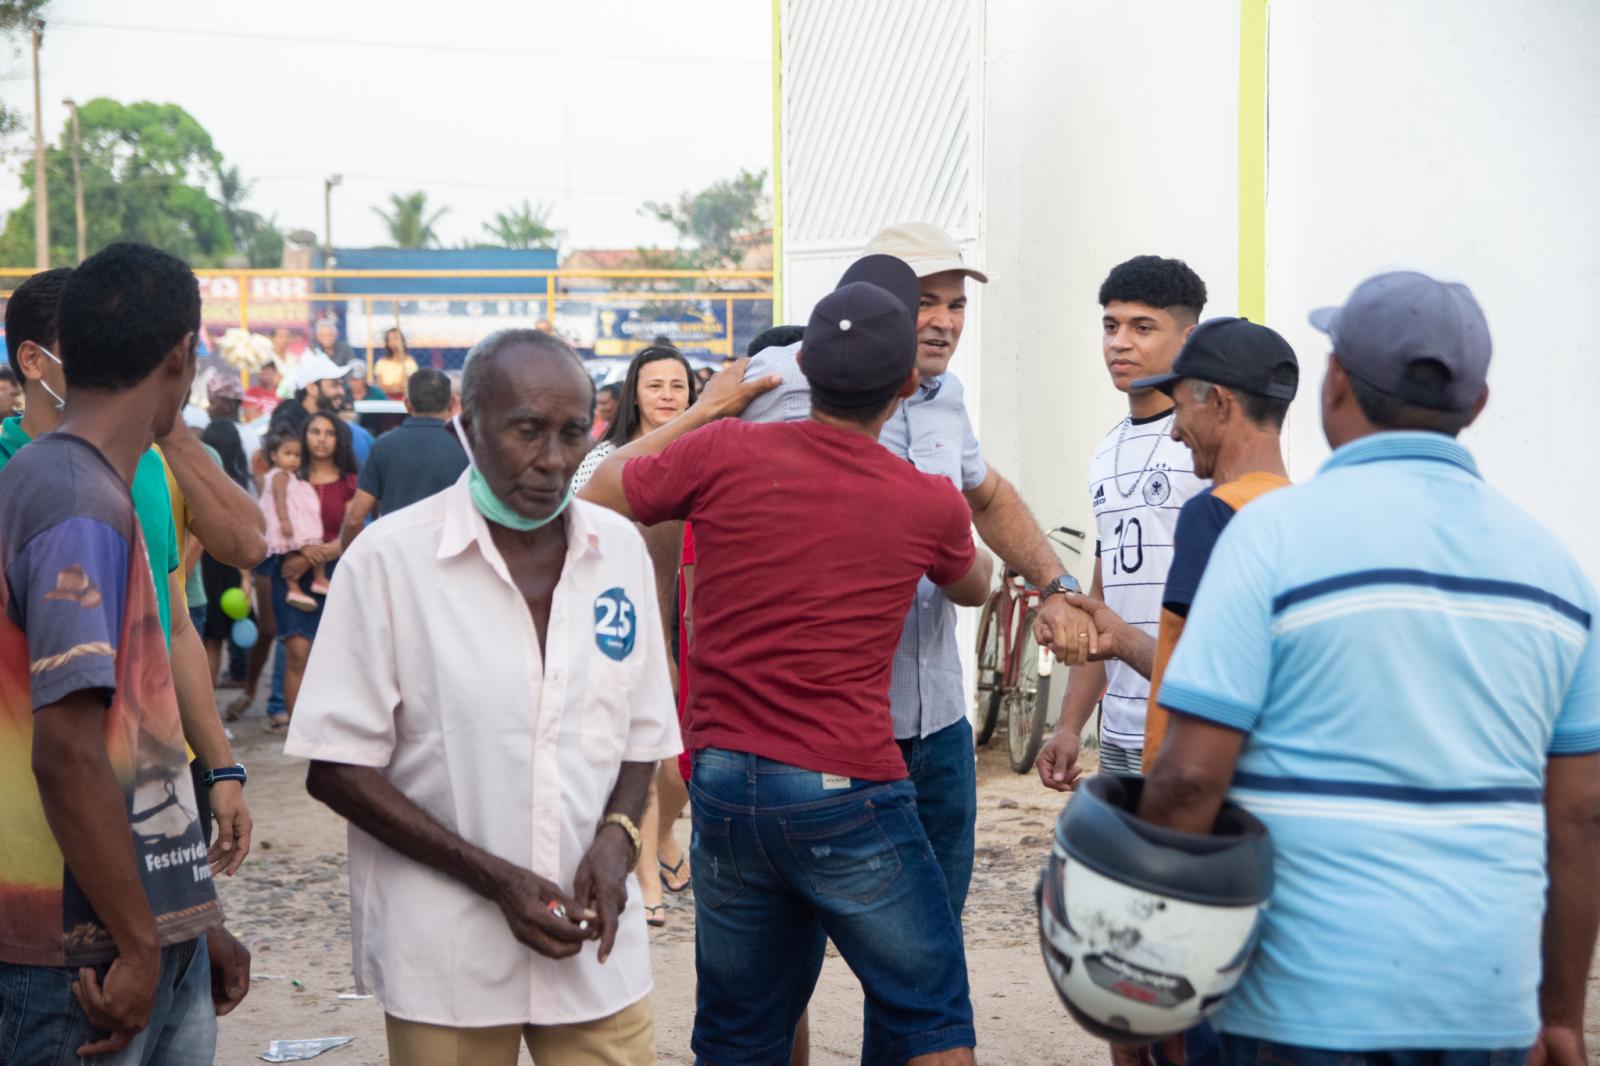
(410, 224)
(258, 239)
(523, 226)
(16, 22)
(146, 172)
(716, 223)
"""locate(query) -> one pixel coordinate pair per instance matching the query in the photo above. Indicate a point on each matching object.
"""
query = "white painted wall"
(1109, 134)
(1461, 138)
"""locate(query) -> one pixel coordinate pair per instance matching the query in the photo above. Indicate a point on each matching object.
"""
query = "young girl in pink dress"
(294, 516)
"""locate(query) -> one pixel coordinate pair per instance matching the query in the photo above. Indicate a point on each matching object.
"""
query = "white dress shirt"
(427, 666)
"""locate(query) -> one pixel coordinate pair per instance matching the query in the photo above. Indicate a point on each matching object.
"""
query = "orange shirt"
(1199, 525)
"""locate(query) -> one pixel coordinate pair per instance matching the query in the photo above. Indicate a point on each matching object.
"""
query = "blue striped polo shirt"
(1405, 649)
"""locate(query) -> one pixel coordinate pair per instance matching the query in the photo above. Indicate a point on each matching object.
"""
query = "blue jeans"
(41, 1023)
(1248, 1051)
(275, 704)
(945, 774)
(782, 858)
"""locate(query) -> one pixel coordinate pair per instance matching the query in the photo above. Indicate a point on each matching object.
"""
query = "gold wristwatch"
(617, 818)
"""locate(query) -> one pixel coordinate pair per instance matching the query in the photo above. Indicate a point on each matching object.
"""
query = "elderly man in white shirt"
(486, 703)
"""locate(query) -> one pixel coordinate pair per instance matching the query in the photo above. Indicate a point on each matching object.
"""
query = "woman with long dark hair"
(659, 387)
(395, 366)
(329, 464)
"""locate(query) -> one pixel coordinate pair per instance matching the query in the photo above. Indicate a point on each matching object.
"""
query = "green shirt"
(151, 502)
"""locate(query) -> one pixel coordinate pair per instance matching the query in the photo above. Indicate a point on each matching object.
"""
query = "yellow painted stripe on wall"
(1253, 159)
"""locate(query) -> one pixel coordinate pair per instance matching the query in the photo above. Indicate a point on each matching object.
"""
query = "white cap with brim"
(317, 367)
(924, 247)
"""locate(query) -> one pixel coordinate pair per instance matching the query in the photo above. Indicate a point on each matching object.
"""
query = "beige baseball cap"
(924, 246)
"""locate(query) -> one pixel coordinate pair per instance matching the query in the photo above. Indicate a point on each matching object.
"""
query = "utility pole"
(77, 182)
(327, 219)
(41, 190)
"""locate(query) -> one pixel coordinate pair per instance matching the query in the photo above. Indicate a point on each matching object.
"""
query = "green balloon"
(234, 604)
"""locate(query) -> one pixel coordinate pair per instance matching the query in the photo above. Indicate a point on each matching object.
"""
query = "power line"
(411, 46)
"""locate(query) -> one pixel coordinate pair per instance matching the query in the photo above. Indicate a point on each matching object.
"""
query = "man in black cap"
(811, 541)
(1231, 386)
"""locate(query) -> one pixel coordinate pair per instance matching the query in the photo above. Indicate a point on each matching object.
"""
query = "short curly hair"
(122, 310)
(1157, 282)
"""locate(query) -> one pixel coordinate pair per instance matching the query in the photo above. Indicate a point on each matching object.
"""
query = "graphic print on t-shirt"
(1137, 491)
(78, 613)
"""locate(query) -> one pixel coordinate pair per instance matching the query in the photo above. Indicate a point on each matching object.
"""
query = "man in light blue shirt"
(1397, 670)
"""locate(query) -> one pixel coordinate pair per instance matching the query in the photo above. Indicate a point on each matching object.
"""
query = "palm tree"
(523, 226)
(410, 224)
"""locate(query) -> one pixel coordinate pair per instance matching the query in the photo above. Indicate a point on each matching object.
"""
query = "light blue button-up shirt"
(933, 432)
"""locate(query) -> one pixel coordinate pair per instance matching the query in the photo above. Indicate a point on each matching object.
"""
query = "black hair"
(429, 392)
(774, 337)
(223, 435)
(1157, 282)
(344, 449)
(612, 390)
(122, 310)
(628, 419)
(275, 439)
(405, 349)
(31, 313)
(1263, 410)
(8, 375)
(862, 416)
(1427, 377)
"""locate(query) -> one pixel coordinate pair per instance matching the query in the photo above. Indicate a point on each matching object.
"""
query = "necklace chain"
(1116, 460)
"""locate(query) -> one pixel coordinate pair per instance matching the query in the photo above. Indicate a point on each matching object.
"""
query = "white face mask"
(60, 403)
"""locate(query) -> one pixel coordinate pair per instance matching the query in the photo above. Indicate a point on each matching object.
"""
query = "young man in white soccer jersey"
(1139, 479)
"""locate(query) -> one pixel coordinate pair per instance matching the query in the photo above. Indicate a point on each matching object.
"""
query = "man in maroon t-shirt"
(812, 539)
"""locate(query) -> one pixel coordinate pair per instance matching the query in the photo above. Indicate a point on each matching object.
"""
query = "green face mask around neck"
(495, 510)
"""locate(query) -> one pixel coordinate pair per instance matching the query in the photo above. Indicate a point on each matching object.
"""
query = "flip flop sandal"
(651, 918)
(301, 603)
(277, 726)
(237, 708)
(674, 871)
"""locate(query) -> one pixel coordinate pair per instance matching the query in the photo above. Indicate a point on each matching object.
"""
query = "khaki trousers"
(626, 1038)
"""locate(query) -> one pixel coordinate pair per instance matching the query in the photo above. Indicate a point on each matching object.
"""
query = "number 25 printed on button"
(615, 623)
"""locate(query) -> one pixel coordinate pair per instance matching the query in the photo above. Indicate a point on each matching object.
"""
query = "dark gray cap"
(1395, 319)
(860, 345)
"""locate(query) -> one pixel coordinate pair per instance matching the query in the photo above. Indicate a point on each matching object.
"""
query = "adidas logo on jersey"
(1099, 495)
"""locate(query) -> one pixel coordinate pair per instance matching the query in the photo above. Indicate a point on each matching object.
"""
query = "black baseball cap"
(1395, 319)
(890, 273)
(1237, 353)
(860, 345)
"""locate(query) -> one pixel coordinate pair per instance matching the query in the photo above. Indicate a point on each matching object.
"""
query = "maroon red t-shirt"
(809, 541)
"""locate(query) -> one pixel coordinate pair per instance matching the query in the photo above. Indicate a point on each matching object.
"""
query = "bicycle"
(1010, 665)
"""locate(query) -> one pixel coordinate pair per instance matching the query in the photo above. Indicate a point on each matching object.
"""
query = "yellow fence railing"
(443, 313)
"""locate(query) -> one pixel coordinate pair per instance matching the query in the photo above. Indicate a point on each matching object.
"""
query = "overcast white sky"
(592, 107)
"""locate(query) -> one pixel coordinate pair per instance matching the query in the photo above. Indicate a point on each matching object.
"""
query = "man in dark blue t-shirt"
(412, 462)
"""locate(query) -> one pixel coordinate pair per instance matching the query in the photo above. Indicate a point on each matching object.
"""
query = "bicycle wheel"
(989, 676)
(1026, 713)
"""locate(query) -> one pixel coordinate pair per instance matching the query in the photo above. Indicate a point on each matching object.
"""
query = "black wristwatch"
(1064, 583)
(226, 773)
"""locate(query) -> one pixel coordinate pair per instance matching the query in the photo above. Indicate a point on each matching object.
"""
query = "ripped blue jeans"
(785, 859)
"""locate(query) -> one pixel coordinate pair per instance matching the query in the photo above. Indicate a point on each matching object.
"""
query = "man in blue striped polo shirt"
(1396, 669)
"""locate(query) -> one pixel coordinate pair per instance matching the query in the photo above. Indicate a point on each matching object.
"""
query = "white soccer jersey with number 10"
(1137, 492)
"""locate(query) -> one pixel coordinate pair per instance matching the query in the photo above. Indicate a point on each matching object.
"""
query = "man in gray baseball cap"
(1397, 670)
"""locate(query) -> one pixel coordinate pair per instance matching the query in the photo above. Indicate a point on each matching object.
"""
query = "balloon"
(244, 632)
(235, 604)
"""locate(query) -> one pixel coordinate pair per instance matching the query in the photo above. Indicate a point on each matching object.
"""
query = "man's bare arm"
(225, 518)
(1008, 527)
(1572, 916)
(1118, 640)
(362, 504)
(1187, 785)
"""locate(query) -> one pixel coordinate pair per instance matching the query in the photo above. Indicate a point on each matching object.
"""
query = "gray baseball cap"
(1392, 320)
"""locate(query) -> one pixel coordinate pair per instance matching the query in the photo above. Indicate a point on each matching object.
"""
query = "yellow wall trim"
(1253, 159)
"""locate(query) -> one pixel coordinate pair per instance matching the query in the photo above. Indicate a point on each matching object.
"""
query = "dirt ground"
(290, 905)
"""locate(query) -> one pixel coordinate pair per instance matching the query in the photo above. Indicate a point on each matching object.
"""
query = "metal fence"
(442, 314)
